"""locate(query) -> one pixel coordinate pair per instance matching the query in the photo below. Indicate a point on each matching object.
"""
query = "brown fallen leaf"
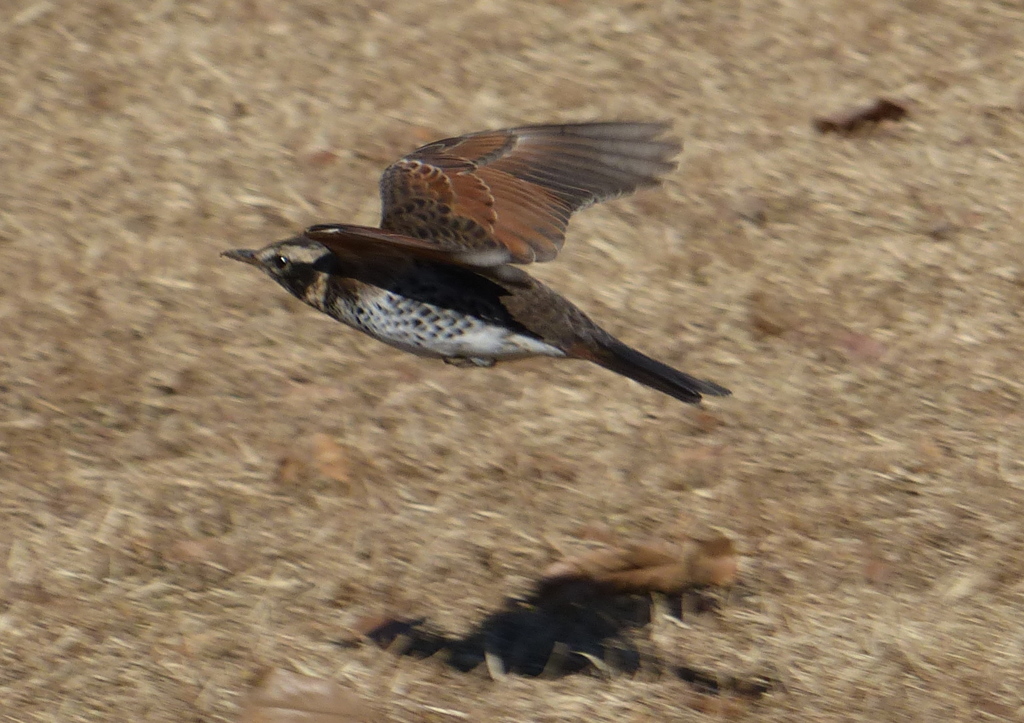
(315, 459)
(219, 552)
(715, 562)
(704, 421)
(859, 347)
(330, 459)
(751, 208)
(877, 570)
(281, 696)
(321, 158)
(655, 566)
(853, 119)
(719, 707)
(770, 314)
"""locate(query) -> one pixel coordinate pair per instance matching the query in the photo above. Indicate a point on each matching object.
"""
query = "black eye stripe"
(280, 261)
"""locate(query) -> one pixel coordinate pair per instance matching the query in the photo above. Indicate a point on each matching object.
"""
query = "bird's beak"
(246, 256)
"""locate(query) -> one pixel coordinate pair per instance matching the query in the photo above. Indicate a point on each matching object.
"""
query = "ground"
(162, 543)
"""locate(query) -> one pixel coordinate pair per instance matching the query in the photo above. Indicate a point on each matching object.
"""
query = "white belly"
(487, 342)
(434, 331)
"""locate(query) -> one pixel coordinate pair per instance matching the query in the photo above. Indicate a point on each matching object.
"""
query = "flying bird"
(441, 277)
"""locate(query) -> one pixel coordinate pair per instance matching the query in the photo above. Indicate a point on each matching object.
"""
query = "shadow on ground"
(566, 627)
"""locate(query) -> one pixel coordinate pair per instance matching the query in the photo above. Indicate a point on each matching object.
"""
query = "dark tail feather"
(621, 359)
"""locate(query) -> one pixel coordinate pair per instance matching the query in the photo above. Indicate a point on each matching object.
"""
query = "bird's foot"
(468, 361)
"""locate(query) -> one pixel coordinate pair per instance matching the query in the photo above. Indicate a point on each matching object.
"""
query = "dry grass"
(871, 463)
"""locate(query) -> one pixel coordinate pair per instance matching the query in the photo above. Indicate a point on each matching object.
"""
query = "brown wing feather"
(363, 242)
(512, 191)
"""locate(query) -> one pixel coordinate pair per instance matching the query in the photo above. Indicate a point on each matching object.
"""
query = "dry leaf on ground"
(853, 119)
(653, 566)
(719, 707)
(860, 347)
(770, 313)
(224, 553)
(315, 459)
(321, 158)
(751, 208)
(285, 697)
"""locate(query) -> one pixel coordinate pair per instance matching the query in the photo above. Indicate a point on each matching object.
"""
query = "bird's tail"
(621, 359)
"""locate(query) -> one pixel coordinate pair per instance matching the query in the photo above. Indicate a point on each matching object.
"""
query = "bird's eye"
(280, 262)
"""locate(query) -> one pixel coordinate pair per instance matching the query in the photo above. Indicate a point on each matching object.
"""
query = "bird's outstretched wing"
(506, 196)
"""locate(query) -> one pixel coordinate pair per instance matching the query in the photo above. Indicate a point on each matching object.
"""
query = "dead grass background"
(871, 463)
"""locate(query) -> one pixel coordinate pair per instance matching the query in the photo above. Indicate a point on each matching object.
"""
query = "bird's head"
(295, 263)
